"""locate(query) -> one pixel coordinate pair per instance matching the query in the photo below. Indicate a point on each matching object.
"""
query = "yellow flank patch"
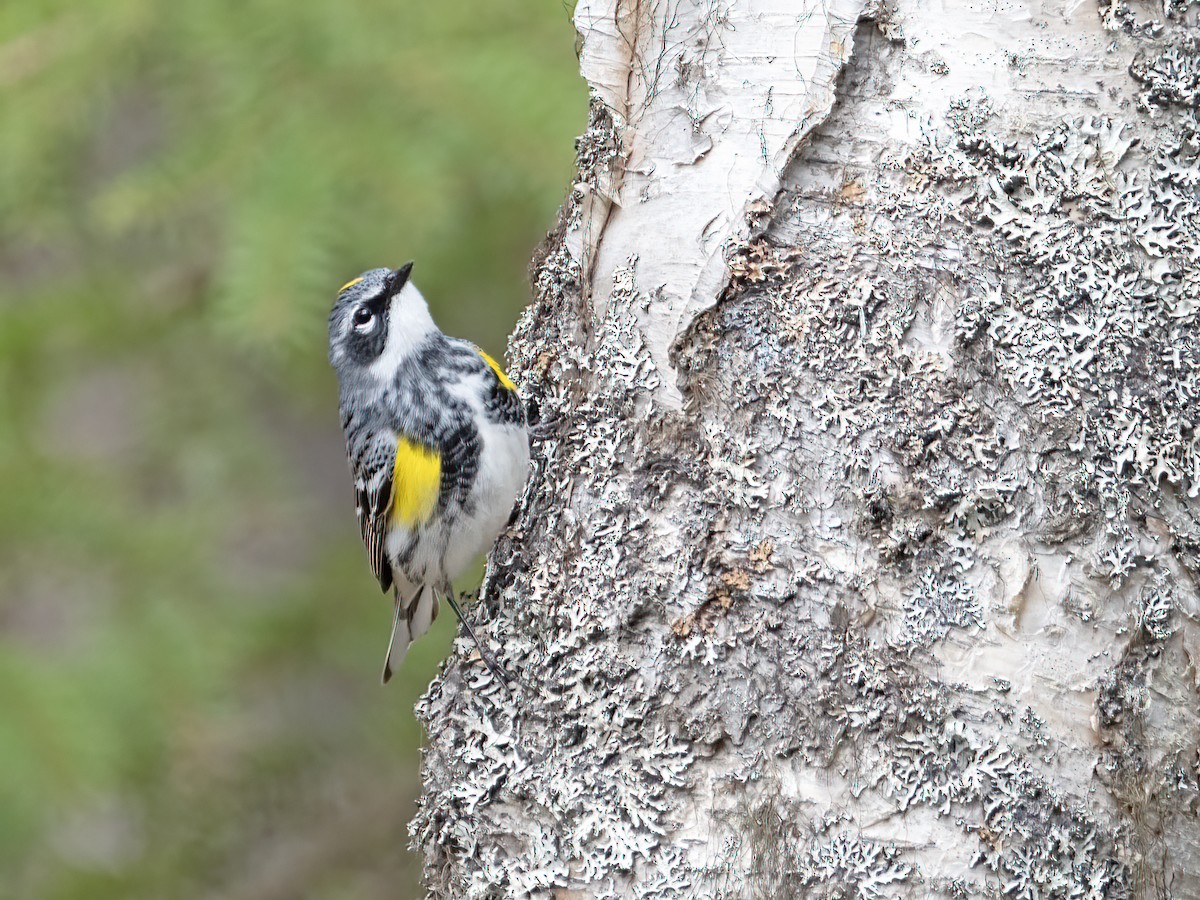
(416, 481)
(504, 379)
(349, 284)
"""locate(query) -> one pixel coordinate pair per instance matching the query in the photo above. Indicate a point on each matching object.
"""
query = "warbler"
(437, 442)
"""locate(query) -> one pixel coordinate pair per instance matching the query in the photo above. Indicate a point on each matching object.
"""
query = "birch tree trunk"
(861, 557)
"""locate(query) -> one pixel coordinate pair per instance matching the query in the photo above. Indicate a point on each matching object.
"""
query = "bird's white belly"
(503, 470)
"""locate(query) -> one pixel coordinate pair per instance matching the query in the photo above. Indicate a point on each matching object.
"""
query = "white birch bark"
(861, 558)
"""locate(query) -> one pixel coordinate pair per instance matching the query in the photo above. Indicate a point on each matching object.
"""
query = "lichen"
(1171, 75)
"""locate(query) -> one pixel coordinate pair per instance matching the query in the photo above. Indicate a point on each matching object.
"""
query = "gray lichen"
(786, 853)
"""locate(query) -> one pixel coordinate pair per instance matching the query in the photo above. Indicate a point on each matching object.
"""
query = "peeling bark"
(861, 557)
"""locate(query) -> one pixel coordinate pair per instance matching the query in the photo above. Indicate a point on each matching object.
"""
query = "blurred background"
(190, 638)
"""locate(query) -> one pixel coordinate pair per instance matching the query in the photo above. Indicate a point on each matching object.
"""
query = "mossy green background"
(190, 640)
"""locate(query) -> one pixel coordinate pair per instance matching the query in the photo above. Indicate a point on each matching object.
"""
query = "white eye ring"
(363, 319)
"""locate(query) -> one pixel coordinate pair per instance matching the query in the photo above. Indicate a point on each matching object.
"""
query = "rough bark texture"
(862, 553)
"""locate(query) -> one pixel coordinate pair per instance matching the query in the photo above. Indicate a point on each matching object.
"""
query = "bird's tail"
(409, 622)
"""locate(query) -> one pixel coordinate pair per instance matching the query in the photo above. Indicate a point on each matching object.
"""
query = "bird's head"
(377, 319)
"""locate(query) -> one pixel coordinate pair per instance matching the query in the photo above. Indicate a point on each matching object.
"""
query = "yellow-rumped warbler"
(438, 447)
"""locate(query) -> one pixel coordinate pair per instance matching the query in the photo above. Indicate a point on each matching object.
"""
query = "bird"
(438, 446)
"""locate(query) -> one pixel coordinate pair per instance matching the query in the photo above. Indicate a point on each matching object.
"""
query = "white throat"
(409, 323)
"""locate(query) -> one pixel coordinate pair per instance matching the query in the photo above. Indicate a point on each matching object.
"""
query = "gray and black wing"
(503, 403)
(373, 463)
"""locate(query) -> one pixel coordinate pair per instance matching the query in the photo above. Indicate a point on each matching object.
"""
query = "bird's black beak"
(398, 279)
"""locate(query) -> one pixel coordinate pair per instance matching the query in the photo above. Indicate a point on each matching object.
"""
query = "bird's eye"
(363, 316)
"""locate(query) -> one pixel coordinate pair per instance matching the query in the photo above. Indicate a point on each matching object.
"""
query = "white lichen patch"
(937, 604)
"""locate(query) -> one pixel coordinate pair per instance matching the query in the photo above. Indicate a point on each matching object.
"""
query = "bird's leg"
(488, 660)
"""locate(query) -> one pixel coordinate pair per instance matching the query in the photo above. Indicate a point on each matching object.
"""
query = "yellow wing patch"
(416, 481)
(504, 379)
(349, 284)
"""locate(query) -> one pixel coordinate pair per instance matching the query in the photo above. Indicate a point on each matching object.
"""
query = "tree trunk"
(862, 554)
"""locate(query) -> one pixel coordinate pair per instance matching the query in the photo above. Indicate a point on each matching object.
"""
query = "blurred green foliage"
(190, 640)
